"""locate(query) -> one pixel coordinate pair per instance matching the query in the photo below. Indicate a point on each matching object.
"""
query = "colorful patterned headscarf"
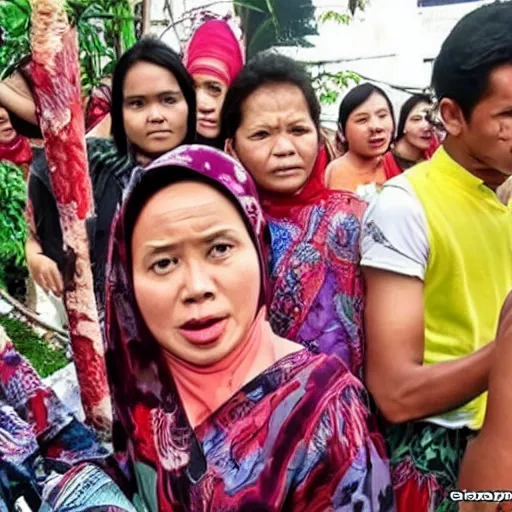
(151, 424)
(214, 40)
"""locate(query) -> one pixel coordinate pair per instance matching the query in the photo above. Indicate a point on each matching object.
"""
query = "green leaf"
(337, 17)
(264, 32)
(252, 5)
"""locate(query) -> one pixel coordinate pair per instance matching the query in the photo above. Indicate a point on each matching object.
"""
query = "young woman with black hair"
(366, 127)
(153, 111)
(415, 137)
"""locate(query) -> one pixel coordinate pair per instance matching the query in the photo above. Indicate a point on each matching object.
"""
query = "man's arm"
(402, 386)
(23, 106)
(488, 460)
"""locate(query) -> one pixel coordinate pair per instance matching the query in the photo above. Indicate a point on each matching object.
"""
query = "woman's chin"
(212, 133)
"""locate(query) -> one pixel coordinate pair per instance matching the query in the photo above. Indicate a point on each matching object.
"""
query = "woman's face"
(418, 131)
(7, 133)
(370, 127)
(277, 141)
(155, 112)
(196, 272)
(210, 94)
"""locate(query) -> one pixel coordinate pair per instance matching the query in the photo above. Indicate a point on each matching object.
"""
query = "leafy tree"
(269, 23)
(105, 29)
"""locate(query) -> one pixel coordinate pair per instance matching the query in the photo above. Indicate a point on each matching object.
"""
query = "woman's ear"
(229, 148)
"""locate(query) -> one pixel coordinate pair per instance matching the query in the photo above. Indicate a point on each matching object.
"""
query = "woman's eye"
(383, 115)
(220, 250)
(362, 120)
(259, 135)
(299, 130)
(215, 89)
(135, 103)
(163, 266)
(170, 100)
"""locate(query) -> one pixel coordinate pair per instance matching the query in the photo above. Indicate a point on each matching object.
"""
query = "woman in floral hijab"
(214, 411)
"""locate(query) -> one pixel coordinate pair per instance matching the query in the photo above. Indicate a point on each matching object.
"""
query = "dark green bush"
(44, 358)
(13, 271)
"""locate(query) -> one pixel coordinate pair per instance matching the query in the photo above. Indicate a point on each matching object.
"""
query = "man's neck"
(492, 178)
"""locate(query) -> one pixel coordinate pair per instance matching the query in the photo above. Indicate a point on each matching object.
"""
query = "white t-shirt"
(394, 235)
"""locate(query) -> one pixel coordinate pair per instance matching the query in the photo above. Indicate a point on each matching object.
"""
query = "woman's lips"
(287, 171)
(204, 332)
(377, 143)
(207, 123)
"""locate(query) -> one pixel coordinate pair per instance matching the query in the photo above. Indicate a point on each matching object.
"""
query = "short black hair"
(406, 109)
(266, 68)
(355, 98)
(154, 51)
(477, 45)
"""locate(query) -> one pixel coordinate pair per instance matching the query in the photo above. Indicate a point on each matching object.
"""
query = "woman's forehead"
(275, 100)
(188, 199)
(374, 102)
(145, 78)
(420, 108)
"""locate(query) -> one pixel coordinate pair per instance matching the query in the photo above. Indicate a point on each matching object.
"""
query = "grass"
(44, 358)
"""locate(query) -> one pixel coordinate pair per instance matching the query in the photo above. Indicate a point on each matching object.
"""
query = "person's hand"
(46, 274)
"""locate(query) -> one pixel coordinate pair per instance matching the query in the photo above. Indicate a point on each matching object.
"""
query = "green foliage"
(14, 33)
(329, 85)
(354, 5)
(335, 16)
(45, 359)
(105, 29)
(269, 23)
(12, 222)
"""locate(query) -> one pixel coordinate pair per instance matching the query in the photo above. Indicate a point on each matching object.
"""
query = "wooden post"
(146, 17)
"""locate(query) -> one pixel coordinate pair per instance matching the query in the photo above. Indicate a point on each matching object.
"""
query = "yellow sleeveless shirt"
(469, 271)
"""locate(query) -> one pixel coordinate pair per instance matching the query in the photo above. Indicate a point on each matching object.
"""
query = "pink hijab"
(214, 50)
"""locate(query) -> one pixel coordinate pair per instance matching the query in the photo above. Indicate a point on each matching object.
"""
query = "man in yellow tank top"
(437, 257)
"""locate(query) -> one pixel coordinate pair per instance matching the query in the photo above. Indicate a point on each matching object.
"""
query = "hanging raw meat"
(55, 76)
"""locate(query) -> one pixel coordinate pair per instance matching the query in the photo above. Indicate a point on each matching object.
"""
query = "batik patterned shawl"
(317, 287)
(39, 438)
(298, 437)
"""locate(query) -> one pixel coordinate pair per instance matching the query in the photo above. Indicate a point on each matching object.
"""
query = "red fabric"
(96, 111)
(412, 496)
(18, 151)
(279, 206)
(391, 168)
(434, 145)
(214, 40)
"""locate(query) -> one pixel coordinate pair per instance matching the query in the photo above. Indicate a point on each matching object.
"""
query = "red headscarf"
(17, 151)
(279, 206)
(214, 40)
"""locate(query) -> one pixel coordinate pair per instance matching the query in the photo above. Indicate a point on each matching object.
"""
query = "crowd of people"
(287, 325)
